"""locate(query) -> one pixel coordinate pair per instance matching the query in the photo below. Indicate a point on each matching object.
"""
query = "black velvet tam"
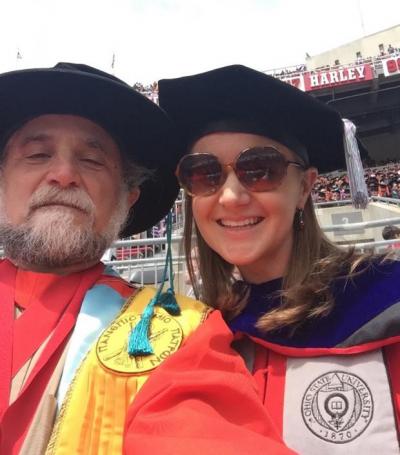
(140, 128)
(258, 104)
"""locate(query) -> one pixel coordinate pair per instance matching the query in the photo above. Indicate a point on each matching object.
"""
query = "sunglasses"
(258, 169)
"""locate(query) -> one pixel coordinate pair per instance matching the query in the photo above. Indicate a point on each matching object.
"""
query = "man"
(80, 148)
(391, 232)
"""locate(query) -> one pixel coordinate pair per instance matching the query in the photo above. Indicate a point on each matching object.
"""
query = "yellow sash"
(92, 417)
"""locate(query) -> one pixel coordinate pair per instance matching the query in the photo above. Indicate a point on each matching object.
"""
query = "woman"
(315, 327)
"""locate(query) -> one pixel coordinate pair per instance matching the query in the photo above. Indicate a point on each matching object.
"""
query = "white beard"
(53, 236)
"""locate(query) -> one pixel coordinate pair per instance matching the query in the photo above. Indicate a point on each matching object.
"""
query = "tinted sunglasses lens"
(200, 174)
(260, 168)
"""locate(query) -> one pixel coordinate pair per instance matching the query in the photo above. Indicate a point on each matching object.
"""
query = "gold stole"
(92, 417)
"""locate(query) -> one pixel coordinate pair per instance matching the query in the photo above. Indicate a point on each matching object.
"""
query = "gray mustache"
(48, 195)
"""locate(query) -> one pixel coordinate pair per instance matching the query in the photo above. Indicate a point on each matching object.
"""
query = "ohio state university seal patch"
(337, 407)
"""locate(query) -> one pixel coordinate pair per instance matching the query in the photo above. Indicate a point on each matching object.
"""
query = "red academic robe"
(50, 304)
(203, 399)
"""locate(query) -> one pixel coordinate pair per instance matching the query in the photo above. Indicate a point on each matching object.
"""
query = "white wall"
(368, 46)
(348, 214)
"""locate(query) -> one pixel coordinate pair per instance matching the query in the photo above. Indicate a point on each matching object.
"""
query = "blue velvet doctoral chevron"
(367, 308)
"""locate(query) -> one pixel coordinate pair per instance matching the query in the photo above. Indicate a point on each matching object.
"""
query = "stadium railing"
(142, 267)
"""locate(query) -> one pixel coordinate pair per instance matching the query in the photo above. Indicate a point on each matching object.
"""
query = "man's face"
(64, 169)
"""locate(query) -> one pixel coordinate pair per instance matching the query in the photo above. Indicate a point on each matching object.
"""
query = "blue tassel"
(138, 342)
(168, 301)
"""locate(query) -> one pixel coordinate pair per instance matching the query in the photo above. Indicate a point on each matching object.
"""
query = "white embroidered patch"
(339, 405)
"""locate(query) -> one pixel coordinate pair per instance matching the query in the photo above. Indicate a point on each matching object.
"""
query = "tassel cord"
(138, 341)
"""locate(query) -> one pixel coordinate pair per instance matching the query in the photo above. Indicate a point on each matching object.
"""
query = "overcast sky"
(153, 39)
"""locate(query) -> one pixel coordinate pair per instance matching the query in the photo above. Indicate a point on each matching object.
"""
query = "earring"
(299, 219)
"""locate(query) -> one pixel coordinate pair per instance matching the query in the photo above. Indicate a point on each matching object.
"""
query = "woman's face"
(253, 231)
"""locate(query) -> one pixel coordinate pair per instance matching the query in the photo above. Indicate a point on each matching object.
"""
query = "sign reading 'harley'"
(340, 76)
(330, 78)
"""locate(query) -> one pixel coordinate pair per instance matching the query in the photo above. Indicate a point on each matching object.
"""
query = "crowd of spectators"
(150, 90)
(383, 181)
(390, 52)
(289, 71)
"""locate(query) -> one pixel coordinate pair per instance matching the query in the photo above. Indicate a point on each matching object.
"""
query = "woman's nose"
(232, 192)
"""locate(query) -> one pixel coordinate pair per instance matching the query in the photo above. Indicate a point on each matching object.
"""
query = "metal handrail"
(389, 200)
(361, 225)
(148, 241)
(176, 239)
(328, 228)
(378, 243)
(349, 201)
(333, 203)
(145, 261)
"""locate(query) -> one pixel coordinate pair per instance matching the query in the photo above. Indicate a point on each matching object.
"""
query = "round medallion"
(165, 337)
(337, 407)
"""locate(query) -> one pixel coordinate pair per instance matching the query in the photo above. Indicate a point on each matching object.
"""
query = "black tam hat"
(237, 98)
(142, 130)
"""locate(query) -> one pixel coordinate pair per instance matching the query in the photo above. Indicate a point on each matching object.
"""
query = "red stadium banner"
(316, 80)
(391, 66)
(340, 76)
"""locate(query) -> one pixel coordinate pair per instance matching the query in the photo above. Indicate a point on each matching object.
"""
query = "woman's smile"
(241, 223)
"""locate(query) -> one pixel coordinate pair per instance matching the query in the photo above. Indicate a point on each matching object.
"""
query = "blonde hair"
(306, 292)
